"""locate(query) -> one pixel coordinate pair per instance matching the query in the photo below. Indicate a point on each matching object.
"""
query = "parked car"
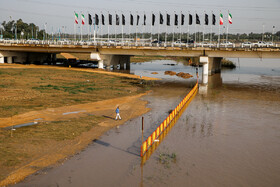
(227, 44)
(155, 42)
(246, 44)
(204, 44)
(269, 44)
(259, 44)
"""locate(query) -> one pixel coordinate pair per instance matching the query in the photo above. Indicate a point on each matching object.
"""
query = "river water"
(228, 136)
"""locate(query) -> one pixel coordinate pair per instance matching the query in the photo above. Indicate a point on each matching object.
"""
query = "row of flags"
(161, 19)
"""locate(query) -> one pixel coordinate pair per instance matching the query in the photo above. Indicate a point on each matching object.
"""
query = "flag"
(83, 19)
(221, 19)
(229, 18)
(176, 19)
(182, 19)
(197, 19)
(131, 19)
(213, 19)
(123, 20)
(89, 19)
(117, 19)
(160, 19)
(206, 19)
(153, 19)
(110, 19)
(144, 19)
(168, 19)
(76, 18)
(96, 19)
(190, 19)
(103, 20)
(138, 18)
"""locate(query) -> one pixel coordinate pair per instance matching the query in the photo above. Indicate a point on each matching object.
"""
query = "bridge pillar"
(100, 64)
(1, 59)
(127, 65)
(10, 59)
(205, 62)
(211, 65)
(121, 66)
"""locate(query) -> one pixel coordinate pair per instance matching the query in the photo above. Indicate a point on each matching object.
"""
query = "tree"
(28, 30)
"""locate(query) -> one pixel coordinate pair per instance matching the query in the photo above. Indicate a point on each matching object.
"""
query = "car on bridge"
(246, 44)
(269, 44)
(227, 44)
(259, 44)
(204, 44)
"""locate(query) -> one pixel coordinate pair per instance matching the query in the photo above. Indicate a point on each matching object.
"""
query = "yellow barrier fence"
(151, 139)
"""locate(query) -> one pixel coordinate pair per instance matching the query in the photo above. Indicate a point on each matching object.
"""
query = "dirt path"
(130, 107)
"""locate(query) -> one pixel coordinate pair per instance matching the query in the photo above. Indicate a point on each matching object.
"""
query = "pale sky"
(247, 15)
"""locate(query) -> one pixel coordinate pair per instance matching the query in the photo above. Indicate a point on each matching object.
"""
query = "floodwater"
(228, 136)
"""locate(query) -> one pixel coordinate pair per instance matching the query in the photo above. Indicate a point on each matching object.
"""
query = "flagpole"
(88, 25)
(173, 30)
(116, 28)
(195, 35)
(219, 37)
(188, 35)
(151, 30)
(101, 29)
(166, 31)
(136, 27)
(158, 30)
(211, 29)
(74, 31)
(181, 31)
(122, 28)
(227, 29)
(108, 27)
(94, 29)
(129, 28)
(203, 30)
(144, 29)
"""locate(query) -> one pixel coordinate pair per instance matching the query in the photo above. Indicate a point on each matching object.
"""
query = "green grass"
(55, 87)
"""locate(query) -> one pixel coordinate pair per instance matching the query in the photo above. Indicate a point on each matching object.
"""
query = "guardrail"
(136, 44)
(163, 126)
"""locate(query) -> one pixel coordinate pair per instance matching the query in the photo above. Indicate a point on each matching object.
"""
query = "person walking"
(118, 113)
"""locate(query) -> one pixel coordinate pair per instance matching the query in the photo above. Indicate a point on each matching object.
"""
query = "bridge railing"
(128, 43)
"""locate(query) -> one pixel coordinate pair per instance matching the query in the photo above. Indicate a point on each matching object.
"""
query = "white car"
(259, 44)
(246, 44)
(227, 44)
(204, 44)
(269, 44)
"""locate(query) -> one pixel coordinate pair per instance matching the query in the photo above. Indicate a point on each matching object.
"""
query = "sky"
(247, 15)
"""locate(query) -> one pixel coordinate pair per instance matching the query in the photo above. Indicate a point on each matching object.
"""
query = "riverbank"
(65, 123)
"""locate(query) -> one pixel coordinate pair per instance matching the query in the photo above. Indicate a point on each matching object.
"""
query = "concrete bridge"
(119, 55)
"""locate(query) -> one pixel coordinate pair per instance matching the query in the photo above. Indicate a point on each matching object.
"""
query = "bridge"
(113, 54)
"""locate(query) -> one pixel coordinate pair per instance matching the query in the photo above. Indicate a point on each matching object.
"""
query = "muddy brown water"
(228, 136)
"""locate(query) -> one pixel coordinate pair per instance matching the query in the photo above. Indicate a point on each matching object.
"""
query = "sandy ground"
(130, 107)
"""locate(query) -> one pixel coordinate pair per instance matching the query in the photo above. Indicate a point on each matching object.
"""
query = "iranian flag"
(83, 19)
(221, 19)
(229, 18)
(76, 18)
